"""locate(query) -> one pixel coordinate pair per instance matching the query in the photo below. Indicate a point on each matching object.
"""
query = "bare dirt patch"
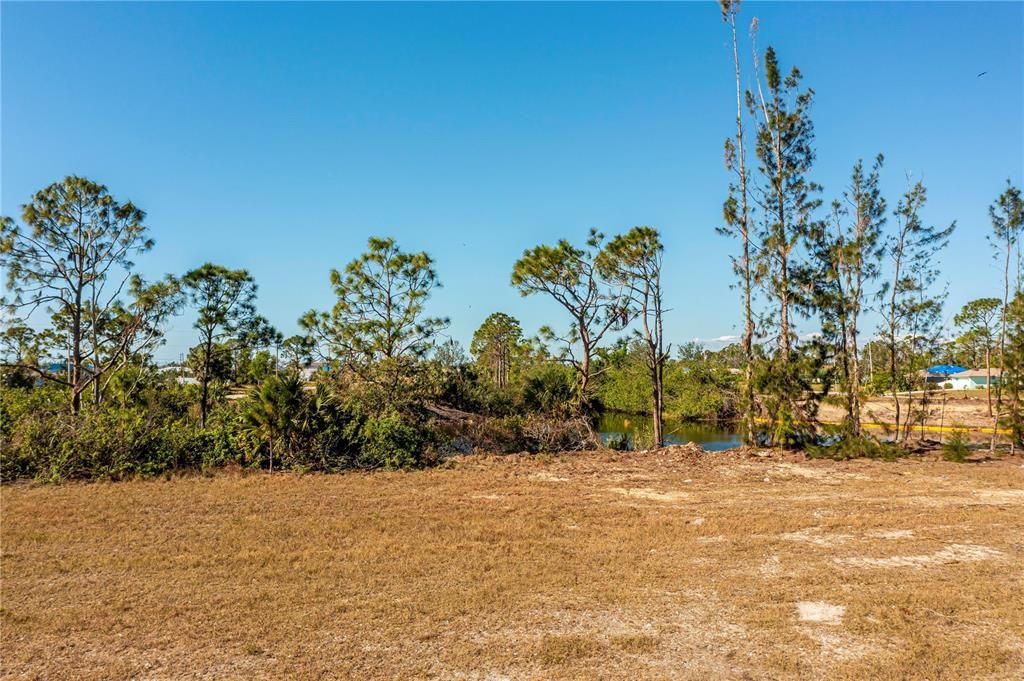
(1002, 496)
(650, 494)
(813, 536)
(818, 611)
(967, 409)
(891, 534)
(524, 568)
(954, 553)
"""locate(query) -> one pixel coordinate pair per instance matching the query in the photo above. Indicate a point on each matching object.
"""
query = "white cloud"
(717, 339)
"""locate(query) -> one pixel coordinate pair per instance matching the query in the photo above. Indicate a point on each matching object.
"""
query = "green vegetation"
(849, 447)
(373, 383)
(699, 385)
(955, 448)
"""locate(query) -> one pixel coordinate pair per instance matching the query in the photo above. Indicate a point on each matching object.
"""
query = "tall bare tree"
(738, 224)
(1007, 215)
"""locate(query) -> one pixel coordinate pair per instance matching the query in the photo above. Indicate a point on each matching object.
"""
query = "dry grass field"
(623, 566)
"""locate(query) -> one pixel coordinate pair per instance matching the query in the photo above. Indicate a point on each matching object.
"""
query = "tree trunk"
(748, 328)
(95, 349)
(584, 365)
(784, 304)
(854, 389)
(204, 400)
(892, 380)
(584, 378)
(908, 422)
(892, 341)
(988, 375)
(845, 363)
(942, 417)
(1002, 345)
(76, 364)
(659, 438)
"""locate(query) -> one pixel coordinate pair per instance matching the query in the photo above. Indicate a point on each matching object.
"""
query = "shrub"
(549, 389)
(389, 443)
(955, 448)
(108, 444)
(331, 432)
(847, 447)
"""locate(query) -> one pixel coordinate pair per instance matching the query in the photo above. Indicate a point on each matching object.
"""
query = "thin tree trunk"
(748, 328)
(584, 375)
(583, 367)
(988, 374)
(852, 347)
(784, 303)
(845, 352)
(204, 399)
(910, 407)
(942, 416)
(892, 380)
(892, 341)
(1002, 345)
(854, 391)
(924, 408)
(656, 411)
(76, 356)
(96, 393)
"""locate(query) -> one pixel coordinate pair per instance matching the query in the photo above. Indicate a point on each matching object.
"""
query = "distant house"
(308, 372)
(183, 375)
(971, 379)
(940, 373)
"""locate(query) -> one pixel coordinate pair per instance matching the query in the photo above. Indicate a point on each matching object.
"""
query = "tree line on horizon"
(82, 396)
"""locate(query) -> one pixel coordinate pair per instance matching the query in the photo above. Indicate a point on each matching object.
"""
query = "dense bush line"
(282, 423)
(43, 442)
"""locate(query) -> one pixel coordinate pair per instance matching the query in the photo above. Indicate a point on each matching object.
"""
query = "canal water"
(637, 429)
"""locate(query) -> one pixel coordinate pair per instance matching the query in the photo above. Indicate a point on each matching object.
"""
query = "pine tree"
(787, 202)
(569, 275)
(847, 253)
(633, 261)
(910, 311)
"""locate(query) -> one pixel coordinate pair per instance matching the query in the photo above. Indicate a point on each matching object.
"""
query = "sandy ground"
(951, 409)
(653, 565)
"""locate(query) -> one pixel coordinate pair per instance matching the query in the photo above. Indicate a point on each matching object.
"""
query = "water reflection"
(637, 431)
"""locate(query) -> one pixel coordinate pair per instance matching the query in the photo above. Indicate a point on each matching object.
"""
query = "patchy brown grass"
(601, 565)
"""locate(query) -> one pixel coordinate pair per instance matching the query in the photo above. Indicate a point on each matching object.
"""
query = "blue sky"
(278, 137)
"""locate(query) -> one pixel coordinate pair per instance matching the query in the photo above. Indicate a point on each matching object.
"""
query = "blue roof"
(945, 369)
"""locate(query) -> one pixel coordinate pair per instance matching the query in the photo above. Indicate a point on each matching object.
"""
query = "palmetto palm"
(274, 410)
